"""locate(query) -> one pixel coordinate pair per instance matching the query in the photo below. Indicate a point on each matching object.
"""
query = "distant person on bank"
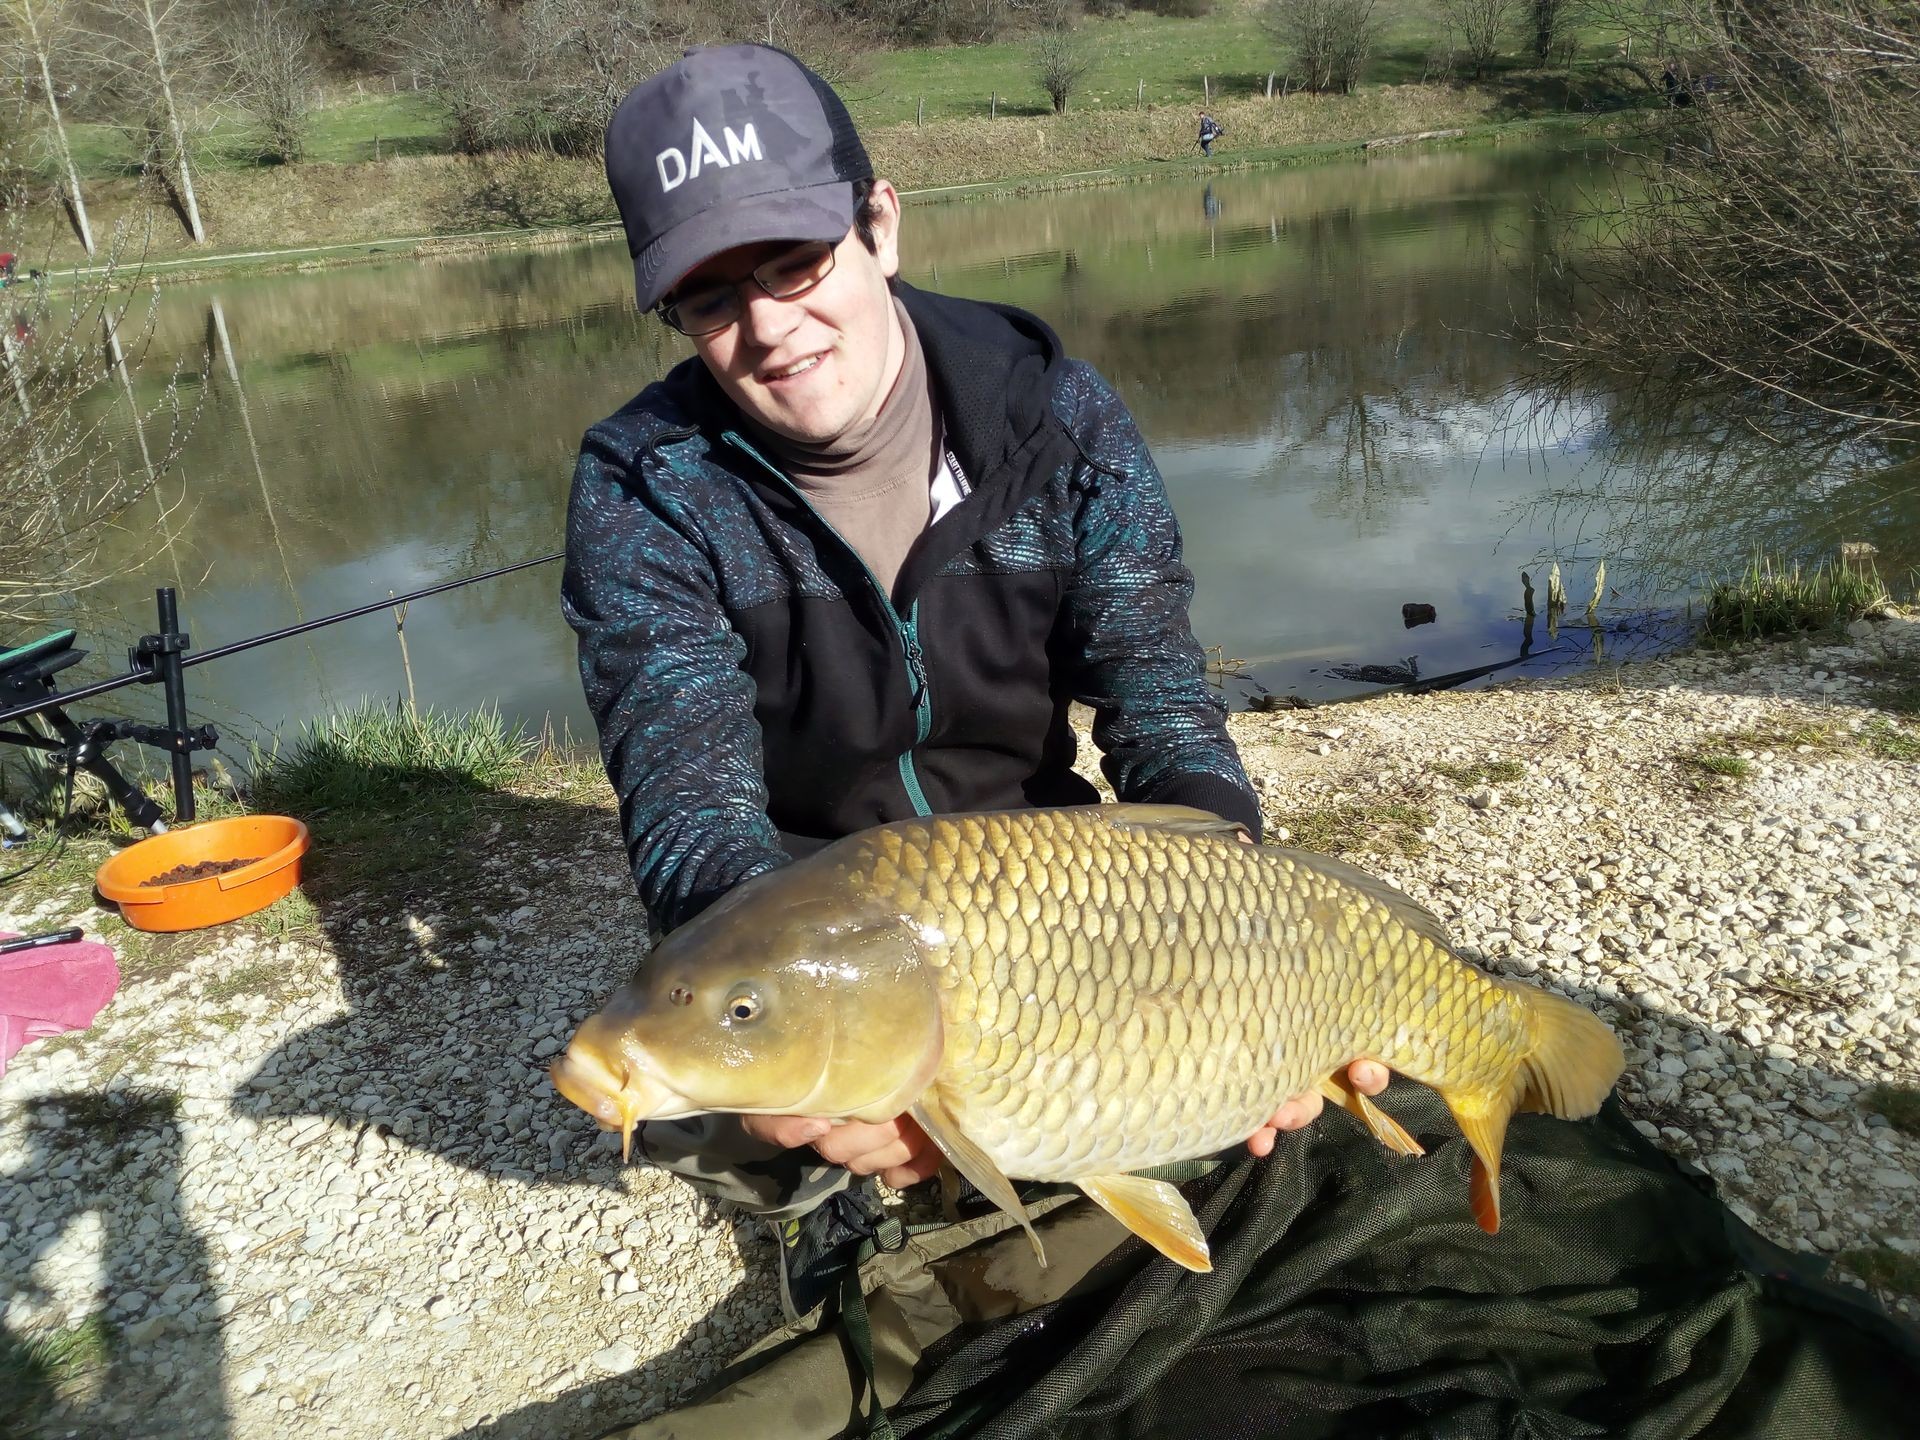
(1210, 131)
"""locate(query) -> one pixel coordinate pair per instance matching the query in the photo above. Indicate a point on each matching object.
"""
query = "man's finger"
(1369, 1077)
(887, 1157)
(1299, 1111)
(787, 1131)
(923, 1166)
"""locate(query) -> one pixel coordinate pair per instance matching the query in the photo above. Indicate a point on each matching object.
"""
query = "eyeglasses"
(707, 309)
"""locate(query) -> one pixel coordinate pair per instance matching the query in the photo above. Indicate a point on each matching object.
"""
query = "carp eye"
(743, 1006)
(680, 995)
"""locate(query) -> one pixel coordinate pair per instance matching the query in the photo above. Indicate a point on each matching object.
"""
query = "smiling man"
(851, 563)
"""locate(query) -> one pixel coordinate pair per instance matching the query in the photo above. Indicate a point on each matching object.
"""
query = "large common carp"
(1070, 995)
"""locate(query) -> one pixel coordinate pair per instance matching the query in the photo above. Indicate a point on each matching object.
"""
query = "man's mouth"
(788, 372)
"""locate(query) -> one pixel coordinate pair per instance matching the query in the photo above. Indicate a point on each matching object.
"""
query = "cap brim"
(815, 212)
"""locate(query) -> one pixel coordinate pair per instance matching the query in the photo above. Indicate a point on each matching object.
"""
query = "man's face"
(813, 367)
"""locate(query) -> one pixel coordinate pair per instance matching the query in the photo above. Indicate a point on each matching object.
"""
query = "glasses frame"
(669, 308)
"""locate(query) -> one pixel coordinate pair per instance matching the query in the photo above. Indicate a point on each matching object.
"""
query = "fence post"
(921, 118)
(993, 106)
(1269, 84)
(1140, 96)
(1206, 89)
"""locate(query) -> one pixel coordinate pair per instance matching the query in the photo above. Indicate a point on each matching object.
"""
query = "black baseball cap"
(730, 145)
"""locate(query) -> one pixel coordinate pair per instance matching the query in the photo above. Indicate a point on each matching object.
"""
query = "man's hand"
(1369, 1077)
(896, 1150)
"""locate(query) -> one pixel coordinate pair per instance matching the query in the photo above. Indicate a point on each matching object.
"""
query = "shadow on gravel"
(114, 1160)
(472, 931)
(471, 937)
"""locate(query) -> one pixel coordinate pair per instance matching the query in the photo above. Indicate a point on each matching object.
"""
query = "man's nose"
(765, 320)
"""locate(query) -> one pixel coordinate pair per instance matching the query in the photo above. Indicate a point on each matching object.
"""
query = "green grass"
(1890, 741)
(1774, 598)
(380, 758)
(1344, 829)
(264, 977)
(115, 1114)
(377, 127)
(1228, 50)
(39, 1370)
(1732, 767)
(1885, 1268)
(1163, 61)
(1899, 1103)
(1497, 772)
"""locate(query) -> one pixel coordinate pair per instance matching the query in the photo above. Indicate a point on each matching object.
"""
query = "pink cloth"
(52, 990)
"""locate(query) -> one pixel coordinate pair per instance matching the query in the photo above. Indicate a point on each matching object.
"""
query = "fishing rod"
(159, 650)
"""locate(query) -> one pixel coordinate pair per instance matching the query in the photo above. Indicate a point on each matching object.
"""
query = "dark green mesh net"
(1353, 1296)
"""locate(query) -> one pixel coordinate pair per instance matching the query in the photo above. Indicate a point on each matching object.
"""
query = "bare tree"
(1326, 42)
(32, 32)
(63, 484)
(1547, 19)
(152, 49)
(1766, 262)
(835, 40)
(454, 47)
(1477, 28)
(577, 59)
(1060, 53)
(272, 68)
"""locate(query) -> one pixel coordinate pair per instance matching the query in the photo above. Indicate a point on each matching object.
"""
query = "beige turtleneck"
(872, 484)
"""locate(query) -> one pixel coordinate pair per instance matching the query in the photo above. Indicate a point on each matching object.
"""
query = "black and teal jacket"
(758, 694)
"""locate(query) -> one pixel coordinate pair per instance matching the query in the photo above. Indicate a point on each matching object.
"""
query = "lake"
(1331, 363)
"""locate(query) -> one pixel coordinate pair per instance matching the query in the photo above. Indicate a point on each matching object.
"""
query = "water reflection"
(1328, 362)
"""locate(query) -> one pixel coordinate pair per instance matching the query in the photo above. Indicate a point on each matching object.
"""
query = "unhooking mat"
(1352, 1296)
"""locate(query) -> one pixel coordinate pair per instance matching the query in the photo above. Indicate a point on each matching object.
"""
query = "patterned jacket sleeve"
(661, 669)
(1159, 723)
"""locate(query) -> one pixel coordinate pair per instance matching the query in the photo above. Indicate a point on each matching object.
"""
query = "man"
(850, 564)
(1210, 131)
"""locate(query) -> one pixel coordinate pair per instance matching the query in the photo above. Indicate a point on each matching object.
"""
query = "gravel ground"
(320, 1184)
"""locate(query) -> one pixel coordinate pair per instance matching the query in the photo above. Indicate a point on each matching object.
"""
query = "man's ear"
(886, 227)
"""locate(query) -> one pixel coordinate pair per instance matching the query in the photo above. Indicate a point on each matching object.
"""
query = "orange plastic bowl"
(274, 843)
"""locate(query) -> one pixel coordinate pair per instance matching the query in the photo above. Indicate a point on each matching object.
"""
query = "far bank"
(307, 216)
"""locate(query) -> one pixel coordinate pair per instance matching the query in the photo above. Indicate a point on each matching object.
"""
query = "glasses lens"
(796, 271)
(701, 312)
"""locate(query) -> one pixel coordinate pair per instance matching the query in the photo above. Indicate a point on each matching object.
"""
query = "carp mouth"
(618, 1098)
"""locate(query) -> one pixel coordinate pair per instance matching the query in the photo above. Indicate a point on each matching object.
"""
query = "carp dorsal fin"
(1173, 819)
(1404, 908)
(1156, 1212)
(971, 1161)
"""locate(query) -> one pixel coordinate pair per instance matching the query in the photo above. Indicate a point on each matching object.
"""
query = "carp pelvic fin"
(973, 1162)
(1382, 1126)
(1156, 1212)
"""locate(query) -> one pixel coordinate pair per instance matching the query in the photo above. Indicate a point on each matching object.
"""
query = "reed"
(1777, 598)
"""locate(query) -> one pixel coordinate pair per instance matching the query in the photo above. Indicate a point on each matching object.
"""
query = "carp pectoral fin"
(1382, 1126)
(1156, 1212)
(973, 1162)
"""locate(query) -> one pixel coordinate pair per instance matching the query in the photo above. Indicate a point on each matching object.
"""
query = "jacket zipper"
(906, 630)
